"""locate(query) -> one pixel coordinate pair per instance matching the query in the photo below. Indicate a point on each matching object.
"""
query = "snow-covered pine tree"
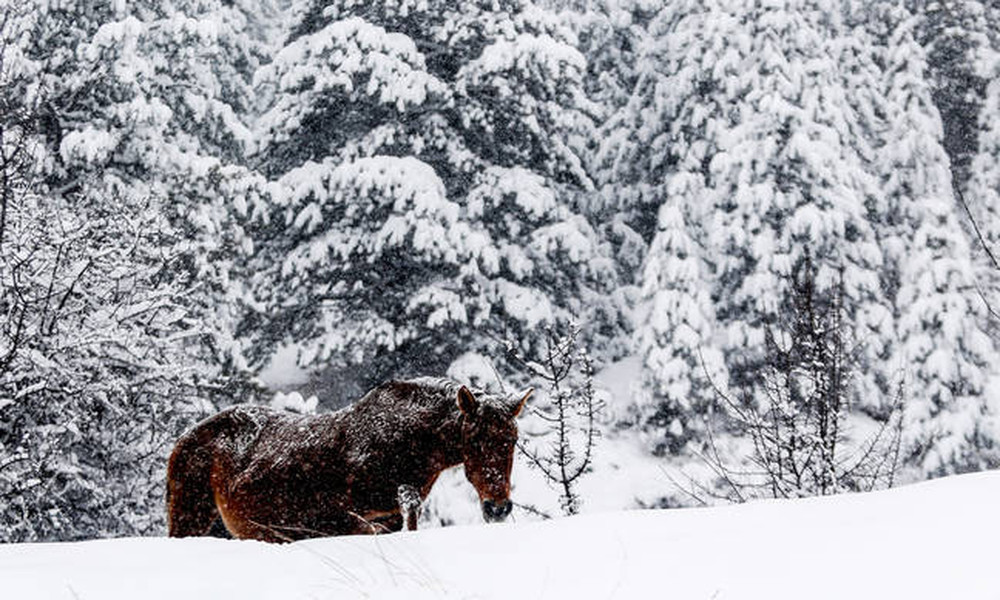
(982, 194)
(610, 34)
(652, 157)
(786, 183)
(860, 53)
(955, 34)
(637, 147)
(754, 144)
(423, 186)
(945, 358)
(676, 318)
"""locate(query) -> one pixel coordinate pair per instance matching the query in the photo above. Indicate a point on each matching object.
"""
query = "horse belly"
(295, 503)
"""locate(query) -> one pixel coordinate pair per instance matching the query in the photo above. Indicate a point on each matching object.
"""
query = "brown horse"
(363, 469)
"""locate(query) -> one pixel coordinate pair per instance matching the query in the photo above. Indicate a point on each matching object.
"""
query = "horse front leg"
(409, 500)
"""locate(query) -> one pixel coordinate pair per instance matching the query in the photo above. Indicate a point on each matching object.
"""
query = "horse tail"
(191, 509)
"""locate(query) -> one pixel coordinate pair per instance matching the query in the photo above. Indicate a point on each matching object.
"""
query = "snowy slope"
(934, 540)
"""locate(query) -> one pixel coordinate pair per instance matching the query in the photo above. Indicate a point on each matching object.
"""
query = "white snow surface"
(932, 540)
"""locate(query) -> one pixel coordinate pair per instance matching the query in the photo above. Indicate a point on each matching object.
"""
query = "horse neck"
(448, 443)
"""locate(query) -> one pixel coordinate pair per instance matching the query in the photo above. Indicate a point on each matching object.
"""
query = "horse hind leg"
(191, 509)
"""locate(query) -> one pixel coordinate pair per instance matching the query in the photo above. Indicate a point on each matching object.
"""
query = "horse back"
(232, 432)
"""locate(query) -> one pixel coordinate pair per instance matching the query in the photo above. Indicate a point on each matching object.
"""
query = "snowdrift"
(934, 540)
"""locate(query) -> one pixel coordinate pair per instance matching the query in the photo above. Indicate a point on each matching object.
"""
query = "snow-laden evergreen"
(424, 181)
(944, 356)
(670, 102)
(955, 34)
(983, 191)
(653, 152)
(805, 137)
(787, 187)
(755, 144)
(681, 366)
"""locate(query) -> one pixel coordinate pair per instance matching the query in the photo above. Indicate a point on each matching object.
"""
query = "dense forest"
(783, 211)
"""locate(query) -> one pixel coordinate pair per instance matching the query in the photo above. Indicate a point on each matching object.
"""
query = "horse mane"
(444, 392)
(443, 384)
(448, 387)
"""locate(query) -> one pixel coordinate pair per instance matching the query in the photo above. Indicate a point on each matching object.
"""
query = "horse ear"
(466, 401)
(520, 403)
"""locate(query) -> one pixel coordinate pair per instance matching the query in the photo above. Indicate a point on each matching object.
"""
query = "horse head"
(489, 437)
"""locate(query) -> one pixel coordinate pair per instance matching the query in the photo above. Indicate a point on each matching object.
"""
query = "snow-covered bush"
(95, 378)
(796, 413)
(561, 438)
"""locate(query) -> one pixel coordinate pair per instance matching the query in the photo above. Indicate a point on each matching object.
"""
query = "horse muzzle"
(494, 512)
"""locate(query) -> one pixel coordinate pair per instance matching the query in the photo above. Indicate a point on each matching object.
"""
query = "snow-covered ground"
(934, 540)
